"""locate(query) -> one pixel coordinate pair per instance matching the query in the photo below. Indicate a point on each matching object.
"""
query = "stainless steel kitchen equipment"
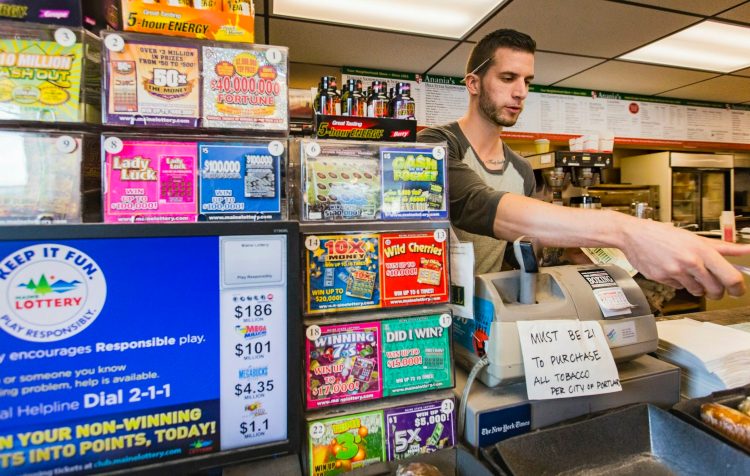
(621, 197)
(693, 188)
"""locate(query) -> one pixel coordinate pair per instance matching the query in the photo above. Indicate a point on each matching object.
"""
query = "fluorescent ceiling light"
(709, 45)
(447, 18)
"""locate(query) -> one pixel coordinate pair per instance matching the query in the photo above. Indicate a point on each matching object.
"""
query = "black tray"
(637, 440)
(690, 411)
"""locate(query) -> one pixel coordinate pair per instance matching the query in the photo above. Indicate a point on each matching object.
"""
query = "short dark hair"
(503, 38)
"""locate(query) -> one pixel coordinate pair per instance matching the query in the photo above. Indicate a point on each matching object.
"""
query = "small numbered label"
(114, 43)
(113, 145)
(276, 148)
(65, 37)
(438, 153)
(446, 320)
(66, 144)
(312, 149)
(317, 430)
(447, 406)
(313, 332)
(274, 56)
(440, 235)
(312, 243)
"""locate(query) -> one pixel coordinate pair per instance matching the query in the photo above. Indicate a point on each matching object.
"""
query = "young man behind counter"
(490, 188)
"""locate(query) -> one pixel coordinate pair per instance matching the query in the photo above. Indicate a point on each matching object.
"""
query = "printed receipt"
(566, 358)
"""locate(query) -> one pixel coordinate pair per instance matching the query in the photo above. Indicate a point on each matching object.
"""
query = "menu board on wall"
(553, 111)
(562, 111)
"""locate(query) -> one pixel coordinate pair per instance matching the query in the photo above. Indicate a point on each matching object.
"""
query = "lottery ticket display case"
(346, 181)
(49, 74)
(179, 178)
(113, 363)
(377, 349)
(164, 82)
(377, 355)
(379, 434)
(49, 176)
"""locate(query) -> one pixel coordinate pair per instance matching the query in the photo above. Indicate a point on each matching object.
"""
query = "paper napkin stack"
(712, 357)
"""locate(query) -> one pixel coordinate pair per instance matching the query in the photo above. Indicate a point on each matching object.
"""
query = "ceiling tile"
(455, 63)
(728, 89)
(260, 7)
(743, 72)
(590, 27)
(741, 13)
(341, 46)
(625, 77)
(551, 67)
(701, 7)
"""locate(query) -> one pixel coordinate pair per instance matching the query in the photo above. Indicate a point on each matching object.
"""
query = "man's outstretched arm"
(658, 250)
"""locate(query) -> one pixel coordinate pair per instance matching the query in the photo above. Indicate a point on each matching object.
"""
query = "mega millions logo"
(49, 292)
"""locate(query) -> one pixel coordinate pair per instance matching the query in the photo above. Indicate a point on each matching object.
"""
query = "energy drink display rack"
(220, 20)
(374, 234)
(155, 81)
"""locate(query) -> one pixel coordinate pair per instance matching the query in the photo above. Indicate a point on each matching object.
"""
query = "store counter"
(725, 317)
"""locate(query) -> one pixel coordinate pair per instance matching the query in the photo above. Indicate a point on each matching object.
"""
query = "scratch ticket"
(415, 268)
(343, 365)
(342, 272)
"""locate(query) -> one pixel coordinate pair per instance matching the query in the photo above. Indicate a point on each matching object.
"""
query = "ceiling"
(577, 40)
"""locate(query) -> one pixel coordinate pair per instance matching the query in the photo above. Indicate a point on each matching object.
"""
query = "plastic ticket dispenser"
(562, 292)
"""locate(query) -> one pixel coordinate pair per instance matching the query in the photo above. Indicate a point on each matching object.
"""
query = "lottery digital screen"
(127, 347)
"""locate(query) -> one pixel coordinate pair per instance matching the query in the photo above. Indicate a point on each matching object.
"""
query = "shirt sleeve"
(473, 204)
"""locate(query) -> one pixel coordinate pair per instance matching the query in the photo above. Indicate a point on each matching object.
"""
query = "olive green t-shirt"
(474, 192)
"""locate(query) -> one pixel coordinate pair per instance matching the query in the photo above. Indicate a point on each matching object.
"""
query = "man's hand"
(682, 259)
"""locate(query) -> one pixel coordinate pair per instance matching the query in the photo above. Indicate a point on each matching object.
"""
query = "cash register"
(489, 344)
(559, 292)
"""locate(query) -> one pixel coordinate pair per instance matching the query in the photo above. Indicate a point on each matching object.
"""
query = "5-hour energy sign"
(49, 292)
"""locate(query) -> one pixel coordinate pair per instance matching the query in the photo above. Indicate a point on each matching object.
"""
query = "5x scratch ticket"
(364, 271)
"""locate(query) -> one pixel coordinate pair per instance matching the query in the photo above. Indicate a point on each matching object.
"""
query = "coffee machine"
(571, 173)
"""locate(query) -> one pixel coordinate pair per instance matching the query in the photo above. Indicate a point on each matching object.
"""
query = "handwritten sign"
(566, 358)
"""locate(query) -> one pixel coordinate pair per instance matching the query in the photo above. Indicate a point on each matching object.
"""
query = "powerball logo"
(49, 292)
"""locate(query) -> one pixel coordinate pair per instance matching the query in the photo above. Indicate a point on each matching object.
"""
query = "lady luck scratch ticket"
(152, 84)
(245, 88)
(343, 365)
(151, 181)
(342, 272)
